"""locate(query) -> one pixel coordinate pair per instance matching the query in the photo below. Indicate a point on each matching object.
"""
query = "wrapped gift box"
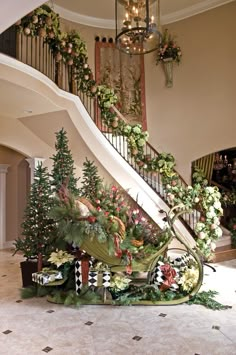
(81, 273)
(99, 278)
(158, 277)
(46, 277)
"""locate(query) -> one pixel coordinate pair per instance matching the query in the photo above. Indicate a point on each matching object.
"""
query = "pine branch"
(206, 298)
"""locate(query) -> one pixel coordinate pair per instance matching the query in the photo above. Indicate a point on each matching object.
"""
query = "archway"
(14, 187)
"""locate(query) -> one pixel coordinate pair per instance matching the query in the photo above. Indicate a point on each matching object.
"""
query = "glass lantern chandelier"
(137, 26)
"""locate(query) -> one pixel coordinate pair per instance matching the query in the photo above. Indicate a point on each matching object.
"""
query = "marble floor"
(34, 326)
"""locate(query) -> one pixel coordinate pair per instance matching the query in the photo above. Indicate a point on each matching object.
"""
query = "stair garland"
(71, 49)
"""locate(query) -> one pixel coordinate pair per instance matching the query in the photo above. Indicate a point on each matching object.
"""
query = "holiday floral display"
(113, 241)
(70, 49)
(124, 242)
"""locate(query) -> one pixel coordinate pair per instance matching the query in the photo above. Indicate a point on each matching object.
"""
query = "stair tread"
(225, 253)
(225, 248)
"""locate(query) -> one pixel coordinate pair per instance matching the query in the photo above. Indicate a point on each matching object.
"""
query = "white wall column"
(33, 163)
(3, 184)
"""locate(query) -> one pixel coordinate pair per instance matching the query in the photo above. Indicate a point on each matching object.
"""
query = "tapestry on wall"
(125, 74)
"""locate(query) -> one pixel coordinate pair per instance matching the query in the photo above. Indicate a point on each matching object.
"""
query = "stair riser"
(225, 240)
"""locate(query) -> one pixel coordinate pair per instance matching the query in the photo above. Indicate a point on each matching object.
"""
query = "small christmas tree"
(63, 164)
(39, 229)
(91, 183)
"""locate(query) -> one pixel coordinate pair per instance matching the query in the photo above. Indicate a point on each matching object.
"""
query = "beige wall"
(196, 116)
(16, 190)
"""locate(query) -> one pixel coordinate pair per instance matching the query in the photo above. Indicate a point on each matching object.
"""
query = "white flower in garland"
(127, 129)
(141, 142)
(210, 189)
(218, 232)
(199, 227)
(211, 214)
(137, 129)
(217, 205)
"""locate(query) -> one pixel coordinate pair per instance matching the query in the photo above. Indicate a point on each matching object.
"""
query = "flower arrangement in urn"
(168, 49)
(167, 53)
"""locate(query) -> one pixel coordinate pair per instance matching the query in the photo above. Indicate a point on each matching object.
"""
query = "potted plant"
(30, 265)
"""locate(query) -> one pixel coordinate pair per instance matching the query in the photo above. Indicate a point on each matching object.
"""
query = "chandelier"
(137, 26)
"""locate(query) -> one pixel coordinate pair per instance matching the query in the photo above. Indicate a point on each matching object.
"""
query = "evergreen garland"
(206, 298)
(63, 164)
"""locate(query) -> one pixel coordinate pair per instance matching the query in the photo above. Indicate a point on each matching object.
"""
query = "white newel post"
(3, 173)
(33, 163)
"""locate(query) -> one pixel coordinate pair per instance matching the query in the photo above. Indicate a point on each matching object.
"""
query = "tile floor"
(35, 326)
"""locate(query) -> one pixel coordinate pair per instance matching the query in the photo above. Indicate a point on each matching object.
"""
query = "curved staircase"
(144, 187)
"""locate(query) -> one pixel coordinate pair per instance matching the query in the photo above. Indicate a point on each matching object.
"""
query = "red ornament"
(91, 219)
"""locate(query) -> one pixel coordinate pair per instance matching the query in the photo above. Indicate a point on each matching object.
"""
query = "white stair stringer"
(23, 75)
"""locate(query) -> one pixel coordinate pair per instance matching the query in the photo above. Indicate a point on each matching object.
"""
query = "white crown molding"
(84, 20)
(165, 19)
(193, 10)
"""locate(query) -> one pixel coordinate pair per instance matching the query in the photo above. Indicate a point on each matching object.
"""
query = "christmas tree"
(38, 228)
(63, 164)
(91, 183)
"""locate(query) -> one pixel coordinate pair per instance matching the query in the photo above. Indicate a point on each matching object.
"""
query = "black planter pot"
(28, 267)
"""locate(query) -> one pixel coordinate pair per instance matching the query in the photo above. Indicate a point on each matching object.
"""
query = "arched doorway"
(220, 170)
(15, 187)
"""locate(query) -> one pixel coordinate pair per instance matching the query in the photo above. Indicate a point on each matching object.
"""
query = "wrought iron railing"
(36, 53)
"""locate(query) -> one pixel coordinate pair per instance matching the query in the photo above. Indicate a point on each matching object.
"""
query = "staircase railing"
(36, 53)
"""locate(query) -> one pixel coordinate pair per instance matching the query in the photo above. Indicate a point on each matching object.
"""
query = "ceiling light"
(137, 25)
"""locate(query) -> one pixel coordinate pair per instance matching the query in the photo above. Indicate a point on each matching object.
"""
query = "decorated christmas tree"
(63, 164)
(91, 183)
(38, 228)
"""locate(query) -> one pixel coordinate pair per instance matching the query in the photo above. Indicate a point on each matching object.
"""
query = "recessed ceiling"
(16, 101)
(101, 13)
